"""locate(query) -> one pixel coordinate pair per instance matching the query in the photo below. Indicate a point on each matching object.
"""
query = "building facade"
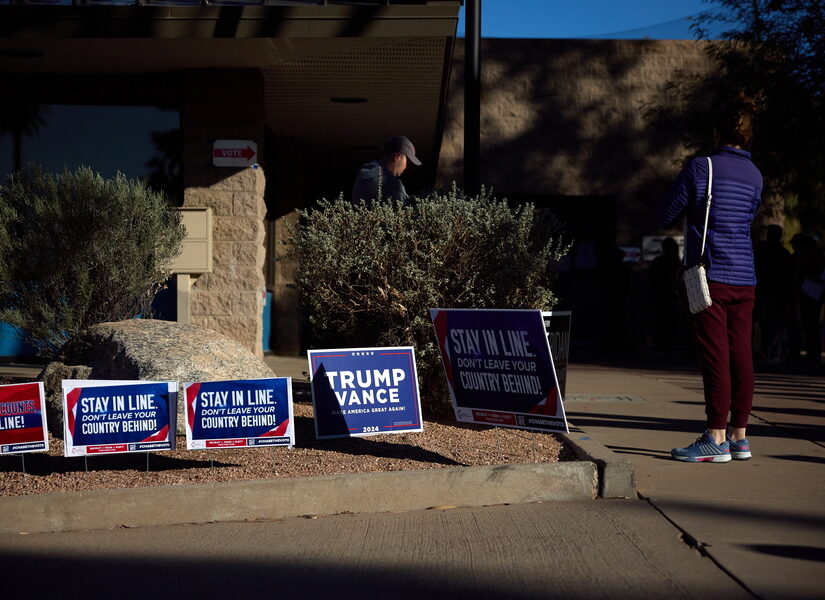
(318, 87)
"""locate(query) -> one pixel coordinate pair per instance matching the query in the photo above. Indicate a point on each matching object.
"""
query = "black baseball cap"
(404, 146)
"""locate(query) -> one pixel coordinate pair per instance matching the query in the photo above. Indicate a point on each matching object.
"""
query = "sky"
(622, 19)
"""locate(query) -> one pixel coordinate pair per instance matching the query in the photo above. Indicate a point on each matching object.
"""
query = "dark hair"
(734, 121)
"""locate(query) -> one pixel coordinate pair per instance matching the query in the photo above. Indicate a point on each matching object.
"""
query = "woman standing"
(722, 332)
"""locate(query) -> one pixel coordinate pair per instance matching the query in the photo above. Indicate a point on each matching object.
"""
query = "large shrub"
(369, 273)
(77, 249)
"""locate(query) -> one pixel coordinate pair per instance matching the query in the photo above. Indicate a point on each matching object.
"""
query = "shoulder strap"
(708, 197)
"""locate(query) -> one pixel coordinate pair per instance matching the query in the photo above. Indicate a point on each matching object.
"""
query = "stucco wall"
(564, 118)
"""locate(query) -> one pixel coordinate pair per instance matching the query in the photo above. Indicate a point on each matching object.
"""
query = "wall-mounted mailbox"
(196, 253)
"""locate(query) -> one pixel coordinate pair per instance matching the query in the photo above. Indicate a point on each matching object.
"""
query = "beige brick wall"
(230, 299)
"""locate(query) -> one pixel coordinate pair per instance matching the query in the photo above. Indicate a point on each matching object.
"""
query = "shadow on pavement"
(639, 422)
(224, 577)
(800, 458)
(797, 552)
(640, 451)
(739, 513)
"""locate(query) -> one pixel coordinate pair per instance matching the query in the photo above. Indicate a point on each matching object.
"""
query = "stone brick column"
(227, 105)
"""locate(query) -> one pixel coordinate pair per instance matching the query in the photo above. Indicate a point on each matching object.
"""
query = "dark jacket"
(737, 193)
(367, 181)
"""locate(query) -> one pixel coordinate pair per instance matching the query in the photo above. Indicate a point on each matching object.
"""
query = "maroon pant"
(722, 333)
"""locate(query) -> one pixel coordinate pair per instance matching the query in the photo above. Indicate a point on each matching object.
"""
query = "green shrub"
(77, 249)
(368, 274)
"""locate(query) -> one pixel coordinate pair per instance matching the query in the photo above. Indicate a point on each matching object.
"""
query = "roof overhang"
(315, 21)
(338, 75)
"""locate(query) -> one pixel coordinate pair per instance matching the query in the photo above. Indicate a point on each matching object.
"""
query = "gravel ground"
(443, 443)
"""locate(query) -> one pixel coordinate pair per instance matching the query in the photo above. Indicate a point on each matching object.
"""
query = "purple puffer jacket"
(737, 193)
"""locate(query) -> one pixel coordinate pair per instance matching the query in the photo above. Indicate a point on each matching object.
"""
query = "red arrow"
(245, 153)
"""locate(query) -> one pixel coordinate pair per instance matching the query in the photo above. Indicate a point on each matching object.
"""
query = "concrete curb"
(294, 497)
(616, 478)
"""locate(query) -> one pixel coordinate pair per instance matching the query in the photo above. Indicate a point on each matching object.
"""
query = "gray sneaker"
(740, 450)
(704, 449)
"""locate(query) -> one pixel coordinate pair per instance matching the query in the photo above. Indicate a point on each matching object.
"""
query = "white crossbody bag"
(695, 278)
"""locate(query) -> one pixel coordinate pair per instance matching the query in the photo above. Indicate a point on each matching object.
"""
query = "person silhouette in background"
(380, 179)
(664, 280)
(774, 294)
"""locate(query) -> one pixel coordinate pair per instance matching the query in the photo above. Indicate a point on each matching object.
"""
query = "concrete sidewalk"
(586, 550)
(762, 520)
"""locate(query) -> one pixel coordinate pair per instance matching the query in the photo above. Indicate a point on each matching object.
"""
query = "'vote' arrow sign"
(245, 153)
(234, 153)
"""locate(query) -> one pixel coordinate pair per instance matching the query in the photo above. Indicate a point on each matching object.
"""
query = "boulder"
(52, 376)
(149, 350)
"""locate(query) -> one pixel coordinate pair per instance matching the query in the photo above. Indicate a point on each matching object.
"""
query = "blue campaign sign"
(499, 368)
(364, 391)
(237, 414)
(118, 416)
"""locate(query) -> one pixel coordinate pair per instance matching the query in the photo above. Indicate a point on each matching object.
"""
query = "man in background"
(380, 179)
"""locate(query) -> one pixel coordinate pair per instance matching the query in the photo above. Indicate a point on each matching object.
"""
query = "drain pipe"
(472, 97)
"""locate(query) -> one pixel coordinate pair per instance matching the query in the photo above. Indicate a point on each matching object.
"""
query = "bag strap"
(708, 197)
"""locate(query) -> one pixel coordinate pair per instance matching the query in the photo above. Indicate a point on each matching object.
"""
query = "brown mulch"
(443, 443)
